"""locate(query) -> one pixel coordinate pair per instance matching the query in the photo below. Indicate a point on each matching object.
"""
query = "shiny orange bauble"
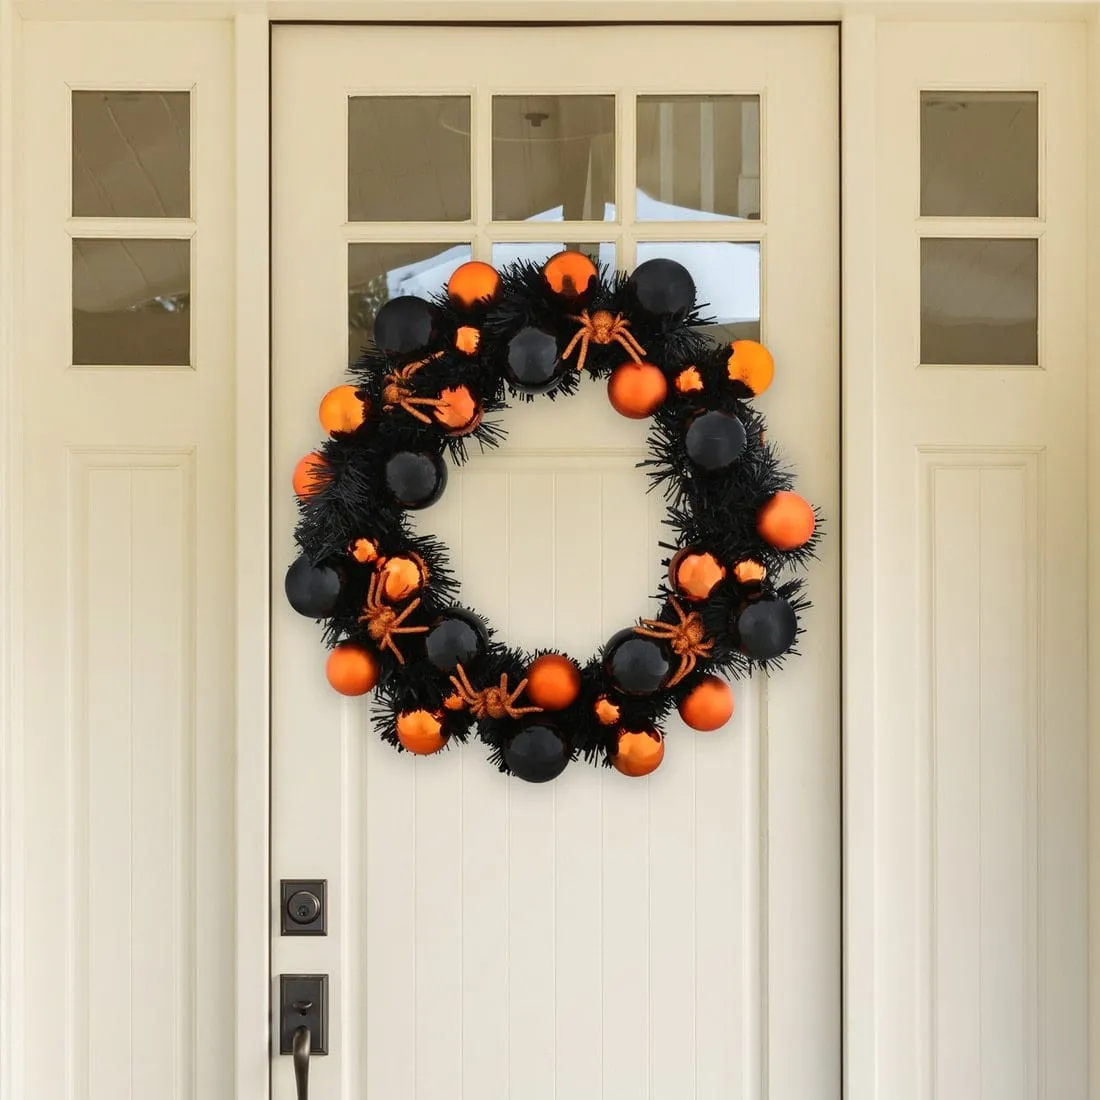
(752, 364)
(695, 575)
(786, 521)
(458, 411)
(749, 572)
(402, 575)
(467, 339)
(341, 410)
(553, 681)
(454, 701)
(351, 669)
(420, 731)
(607, 712)
(363, 550)
(473, 282)
(639, 753)
(569, 274)
(308, 474)
(689, 380)
(636, 390)
(708, 705)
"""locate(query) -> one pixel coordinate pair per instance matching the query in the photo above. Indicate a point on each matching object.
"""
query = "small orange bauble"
(467, 339)
(752, 364)
(308, 474)
(363, 550)
(749, 572)
(786, 521)
(402, 575)
(473, 282)
(454, 701)
(351, 669)
(636, 390)
(694, 575)
(341, 410)
(457, 411)
(606, 711)
(420, 731)
(689, 380)
(708, 705)
(638, 753)
(553, 681)
(570, 274)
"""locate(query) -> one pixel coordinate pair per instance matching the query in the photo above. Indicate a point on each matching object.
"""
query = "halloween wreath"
(425, 388)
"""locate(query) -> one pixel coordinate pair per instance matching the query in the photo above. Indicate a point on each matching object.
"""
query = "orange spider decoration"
(688, 638)
(383, 622)
(398, 392)
(602, 327)
(493, 702)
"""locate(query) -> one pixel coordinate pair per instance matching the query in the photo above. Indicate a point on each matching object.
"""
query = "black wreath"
(425, 387)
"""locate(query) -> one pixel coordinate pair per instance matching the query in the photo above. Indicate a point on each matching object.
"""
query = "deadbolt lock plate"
(304, 907)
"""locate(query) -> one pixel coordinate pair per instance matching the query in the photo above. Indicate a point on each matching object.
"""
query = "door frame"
(252, 21)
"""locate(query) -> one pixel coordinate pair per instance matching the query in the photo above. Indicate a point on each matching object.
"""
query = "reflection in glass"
(979, 154)
(979, 301)
(131, 303)
(131, 154)
(507, 252)
(698, 157)
(727, 282)
(379, 272)
(408, 158)
(554, 158)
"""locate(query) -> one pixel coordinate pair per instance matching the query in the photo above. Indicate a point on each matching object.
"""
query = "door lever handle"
(303, 1023)
(300, 1048)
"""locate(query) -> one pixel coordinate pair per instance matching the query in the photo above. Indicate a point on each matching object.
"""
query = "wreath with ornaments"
(425, 390)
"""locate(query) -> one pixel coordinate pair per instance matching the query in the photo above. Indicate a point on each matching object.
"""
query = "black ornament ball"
(663, 287)
(714, 440)
(312, 590)
(403, 325)
(456, 638)
(416, 479)
(533, 365)
(636, 665)
(767, 628)
(537, 753)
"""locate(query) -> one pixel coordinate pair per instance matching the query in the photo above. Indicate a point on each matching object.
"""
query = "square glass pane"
(979, 301)
(508, 252)
(131, 303)
(554, 158)
(979, 154)
(698, 157)
(379, 272)
(131, 154)
(409, 158)
(727, 282)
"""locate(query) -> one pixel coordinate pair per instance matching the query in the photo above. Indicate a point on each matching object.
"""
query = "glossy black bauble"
(636, 665)
(714, 440)
(663, 287)
(312, 590)
(533, 365)
(537, 753)
(767, 628)
(416, 479)
(403, 325)
(458, 637)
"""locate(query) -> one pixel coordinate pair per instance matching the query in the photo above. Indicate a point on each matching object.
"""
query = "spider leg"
(650, 630)
(406, 612)
(388, 643)
(584, 351)
(632, 346)
(407, 406)
(573, 343)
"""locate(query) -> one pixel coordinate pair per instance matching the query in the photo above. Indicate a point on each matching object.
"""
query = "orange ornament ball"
(786, 521)
(607, 712)
(458, 411)
(467, 339)
(363, 550)
(421, 731)
(402, 575)
(570, 274)
(639, 752)
(341, 410)
(748, 571)
(637, 390)
(695, 576)
(309, 474)
(553, 682)
(473, 282)
(708, 705)
(689, 380)
(751, 364)
(351, 669)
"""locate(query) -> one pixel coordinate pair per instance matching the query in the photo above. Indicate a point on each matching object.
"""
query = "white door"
(670, 937)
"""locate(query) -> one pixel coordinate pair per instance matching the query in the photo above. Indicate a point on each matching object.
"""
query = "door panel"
(672, 937)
